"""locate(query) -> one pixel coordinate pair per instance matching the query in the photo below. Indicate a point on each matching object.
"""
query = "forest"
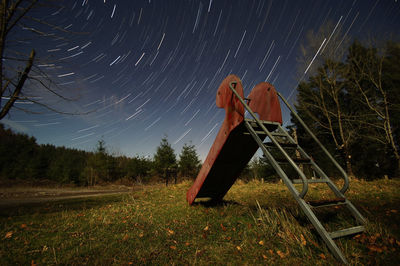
(21, 158)
(352, 105)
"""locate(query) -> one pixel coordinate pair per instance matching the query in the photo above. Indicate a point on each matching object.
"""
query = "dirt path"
(10, 197)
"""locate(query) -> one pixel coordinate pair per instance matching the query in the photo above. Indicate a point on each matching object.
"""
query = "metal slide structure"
(238, 140)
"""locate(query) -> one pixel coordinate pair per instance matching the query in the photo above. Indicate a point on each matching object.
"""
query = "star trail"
(138, 70)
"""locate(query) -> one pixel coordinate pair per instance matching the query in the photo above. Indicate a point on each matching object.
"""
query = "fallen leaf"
(170, 232)
(261, 243)
(322, 256)
(265, 257)
(271, 252)
(238, 248)
(223, 227)
(372, 239)
(206, 228)
(303, 240)
(280, 253)
(314, 243)
(8, 234)
(375, 248)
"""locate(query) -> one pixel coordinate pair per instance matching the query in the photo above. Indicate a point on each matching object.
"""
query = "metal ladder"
(275, 132)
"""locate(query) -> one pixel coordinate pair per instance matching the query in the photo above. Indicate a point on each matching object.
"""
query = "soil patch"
(15, 196)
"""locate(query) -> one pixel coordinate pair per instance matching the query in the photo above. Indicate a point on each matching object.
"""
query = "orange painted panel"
(232, 149)
(264, 101)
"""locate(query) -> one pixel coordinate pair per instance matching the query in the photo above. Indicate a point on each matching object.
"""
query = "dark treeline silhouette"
(21, 158)
(352, 104)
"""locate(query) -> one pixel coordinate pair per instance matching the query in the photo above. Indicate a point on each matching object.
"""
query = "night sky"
(145, 69)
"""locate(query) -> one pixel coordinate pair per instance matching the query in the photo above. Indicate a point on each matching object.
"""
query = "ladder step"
(270, 126)
(283, 145)
(278, 134)
(257, 132)
(327, 202)
(296, 160)
(253, 123)
(347, 231)
(309, 181)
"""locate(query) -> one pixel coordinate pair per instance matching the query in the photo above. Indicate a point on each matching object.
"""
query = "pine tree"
(96, 165)
(189, 163)
(165, 160)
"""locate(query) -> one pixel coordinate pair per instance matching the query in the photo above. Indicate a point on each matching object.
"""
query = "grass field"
(259, 223)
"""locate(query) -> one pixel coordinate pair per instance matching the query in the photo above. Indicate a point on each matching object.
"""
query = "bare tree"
(19, 66)
(366, 73)
(324, 101)
(324, 97)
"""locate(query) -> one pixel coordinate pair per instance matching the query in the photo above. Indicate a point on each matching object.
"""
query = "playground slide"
(232, 149)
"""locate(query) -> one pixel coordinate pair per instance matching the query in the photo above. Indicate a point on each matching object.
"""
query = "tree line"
(353, 105)
(351, 102)
(21, 158)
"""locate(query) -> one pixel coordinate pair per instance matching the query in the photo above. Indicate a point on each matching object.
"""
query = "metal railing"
(304, 190)
(341, 170)
(345, 187)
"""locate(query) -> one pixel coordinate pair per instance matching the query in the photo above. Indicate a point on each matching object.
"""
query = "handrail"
(345, 177)
(292, 163)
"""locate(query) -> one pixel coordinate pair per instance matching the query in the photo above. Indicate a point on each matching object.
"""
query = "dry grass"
(259, 223)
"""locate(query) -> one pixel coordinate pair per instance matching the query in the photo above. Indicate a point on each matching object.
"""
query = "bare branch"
(19, 86)
(24, 12)
(55, 27)
(55, 110)
(5, 87)
(11, 10)
(27, 111)
(47, 87)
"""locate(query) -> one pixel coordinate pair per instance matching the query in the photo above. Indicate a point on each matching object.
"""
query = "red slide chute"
(232, 148)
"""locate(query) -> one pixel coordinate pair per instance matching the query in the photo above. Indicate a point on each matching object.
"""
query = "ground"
(22, 195)
(258, 223)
